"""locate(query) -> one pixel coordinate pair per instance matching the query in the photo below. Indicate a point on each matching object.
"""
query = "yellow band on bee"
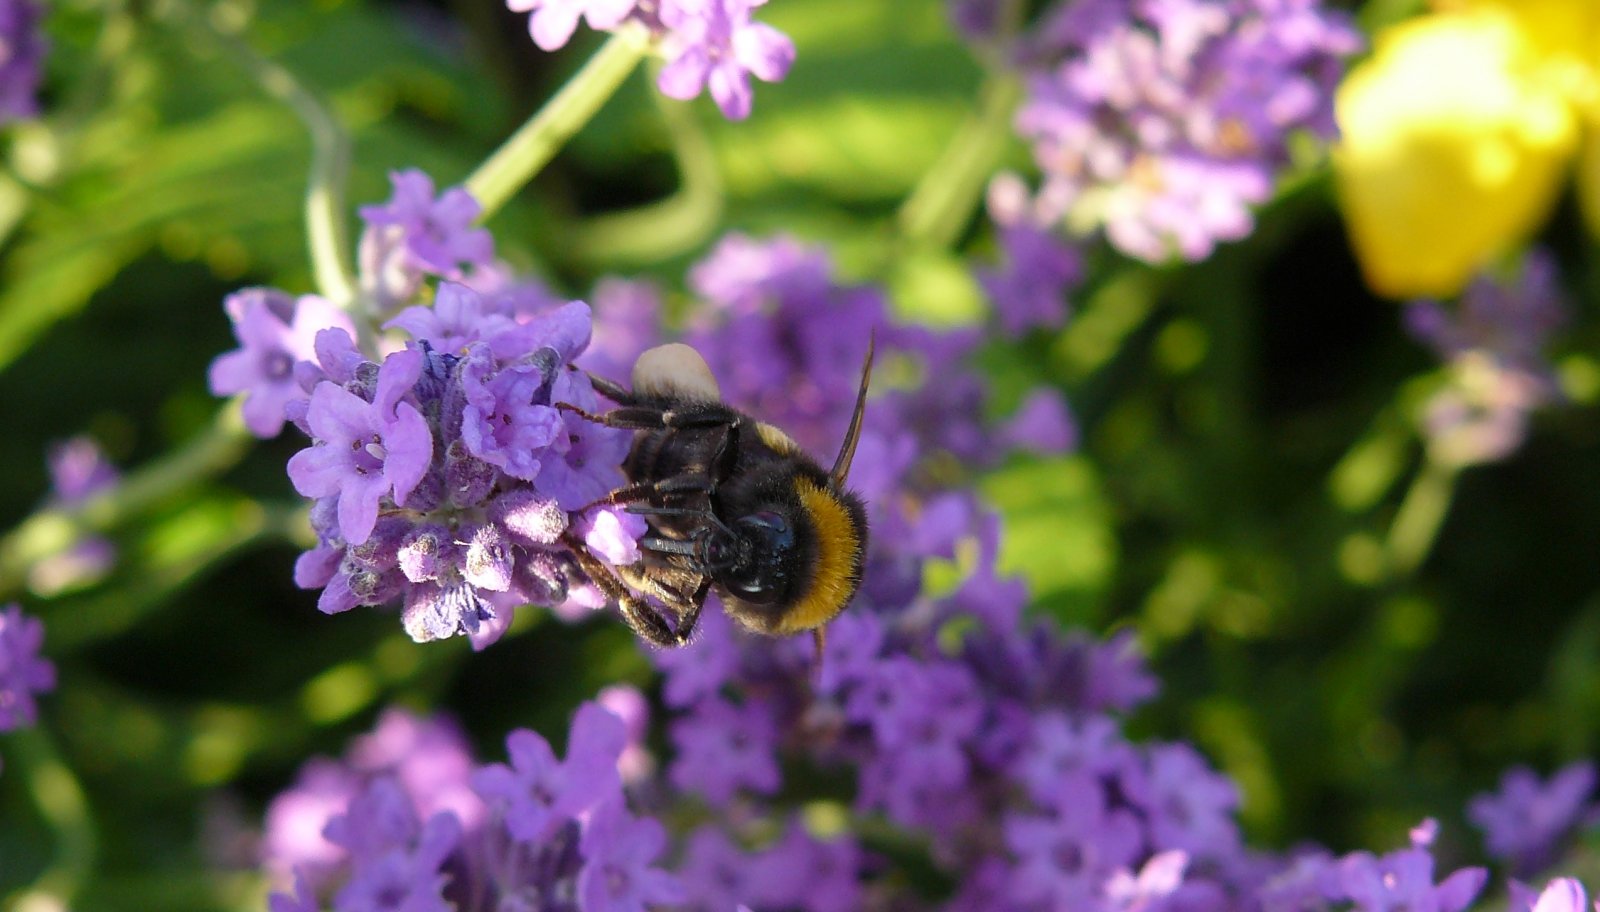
(838, 543)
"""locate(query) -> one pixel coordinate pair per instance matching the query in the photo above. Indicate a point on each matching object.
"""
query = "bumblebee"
(733, 505)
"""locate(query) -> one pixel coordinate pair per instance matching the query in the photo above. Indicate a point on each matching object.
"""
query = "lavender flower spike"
(364, 450)
(1526, 821)
(22, 673)
(713, 43)
(438, 231)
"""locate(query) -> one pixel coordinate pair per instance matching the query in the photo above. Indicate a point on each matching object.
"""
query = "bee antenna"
(847, 452)
(820, 636)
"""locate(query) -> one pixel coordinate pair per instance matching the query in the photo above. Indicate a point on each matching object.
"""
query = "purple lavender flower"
(1030, 290)
(399, 828)
(1403, 880)
(503, 423)
(536, 791)
(1165, 122)
(78, 471)
(618, 851)
(1526, 820)
(436, 232)
(22, 50)
(363, 451)
(1187, 805)
(1065, 857)
(635, 763)
(275, 332)
(723, 749)
(554, 21)
(627, 320)
(1561, 894)
(1043, 424)
(395, 861)
(1497, 373)
(713, 43)
(458, 317)
(23, 673)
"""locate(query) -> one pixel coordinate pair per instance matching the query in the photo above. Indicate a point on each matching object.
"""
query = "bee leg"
(647, 418)
(645, 620)
(691, 615)
(649, 623)
(644, 490)
(686, 607)
(612, 390)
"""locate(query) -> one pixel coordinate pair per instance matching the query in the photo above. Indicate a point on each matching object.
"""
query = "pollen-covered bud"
(440, 612)
(528, 515)
(364, 382)
(467, 478)
(365, 584)
(542, 577)
(429, 494)
(381, 549)
(489, 561)
(422, 552)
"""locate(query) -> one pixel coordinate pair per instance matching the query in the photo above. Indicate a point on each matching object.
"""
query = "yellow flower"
(1456, 135)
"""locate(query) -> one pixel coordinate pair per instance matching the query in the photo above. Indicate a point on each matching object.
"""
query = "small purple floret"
(363, 451)
(714, 44)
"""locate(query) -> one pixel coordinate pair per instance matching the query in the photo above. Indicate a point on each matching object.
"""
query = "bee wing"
(847, 451)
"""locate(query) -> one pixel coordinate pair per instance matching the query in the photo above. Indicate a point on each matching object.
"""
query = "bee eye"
(762, 577)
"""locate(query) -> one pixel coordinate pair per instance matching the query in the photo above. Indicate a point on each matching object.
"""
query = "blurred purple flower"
(1561, 894)
(1166, 121)
(1493, 343)
(1030, 289)
(619, 851)
(23, 673)
(635, 763)
(78, 470)
(436, 232)
(554, 21)
(1403, 880)
(713, 43)
(22, 50)
(536, 792)
(395, 861)
(1043, 424)
(627, 320)
(1525, 821)
(379, 847)
(723, 749)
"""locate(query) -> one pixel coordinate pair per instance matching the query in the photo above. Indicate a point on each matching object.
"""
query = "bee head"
(794, 564)
(808, 552)
(753, 559)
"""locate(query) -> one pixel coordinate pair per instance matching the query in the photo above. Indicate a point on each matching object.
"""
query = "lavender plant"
(977, 734)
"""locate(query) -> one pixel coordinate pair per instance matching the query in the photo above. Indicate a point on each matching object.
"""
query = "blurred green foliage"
(1245, 439)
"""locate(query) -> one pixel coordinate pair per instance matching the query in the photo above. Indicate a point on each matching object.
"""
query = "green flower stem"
(942, 202)
(537, 141)
(111, 610)
(60, 799)
(51, 530)
(327, 227)
(663, 229)
(1420, 517)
